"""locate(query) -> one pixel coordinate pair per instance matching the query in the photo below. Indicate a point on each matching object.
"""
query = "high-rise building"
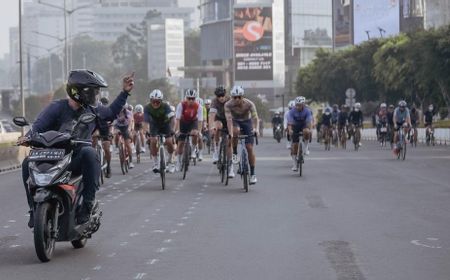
(437, 13)
(411, 15)
(165, 49)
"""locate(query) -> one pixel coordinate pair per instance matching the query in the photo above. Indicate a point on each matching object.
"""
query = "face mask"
(356, 109)
(327, 113)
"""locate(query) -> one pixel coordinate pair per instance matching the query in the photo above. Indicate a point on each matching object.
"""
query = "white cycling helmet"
(190, 93)
(291, 104)
(237, 91)
(383, 105)
(300, 100)
(402, 103)
(358, 105)
(156, 94)
(207, 101)
(130, 107)
(139, 108)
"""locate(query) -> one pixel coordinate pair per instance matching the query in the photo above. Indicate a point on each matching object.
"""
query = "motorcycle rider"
(276, 120)
(83, 88)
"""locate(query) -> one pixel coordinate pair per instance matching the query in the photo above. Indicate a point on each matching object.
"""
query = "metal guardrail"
(441, 135)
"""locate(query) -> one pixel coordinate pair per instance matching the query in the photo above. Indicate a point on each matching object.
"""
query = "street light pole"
(22, 97)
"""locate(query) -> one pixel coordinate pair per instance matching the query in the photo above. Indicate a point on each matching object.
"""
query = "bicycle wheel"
(403, 151)
(186, 155)
(138, 149)
(300, 160)
(220, 163)
(122, 158)
(162, 167)
(244, 170)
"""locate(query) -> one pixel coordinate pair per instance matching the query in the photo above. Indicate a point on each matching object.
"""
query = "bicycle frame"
(244, 165)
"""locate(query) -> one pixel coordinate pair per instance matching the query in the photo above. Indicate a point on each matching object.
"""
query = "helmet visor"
(90, 97)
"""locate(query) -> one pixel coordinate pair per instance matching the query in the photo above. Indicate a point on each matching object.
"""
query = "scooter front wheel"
(45, 230)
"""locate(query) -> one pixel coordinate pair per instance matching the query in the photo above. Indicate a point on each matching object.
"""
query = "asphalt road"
(353, 215)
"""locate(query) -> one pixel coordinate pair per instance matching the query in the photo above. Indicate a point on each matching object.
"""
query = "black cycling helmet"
(104, 100)
(220, 91)
(83, 87)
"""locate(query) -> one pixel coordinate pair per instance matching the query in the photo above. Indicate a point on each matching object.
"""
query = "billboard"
(375, 19)
(253, 48)
(342, 19)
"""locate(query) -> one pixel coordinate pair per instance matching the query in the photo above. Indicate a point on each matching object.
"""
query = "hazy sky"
(9, 16)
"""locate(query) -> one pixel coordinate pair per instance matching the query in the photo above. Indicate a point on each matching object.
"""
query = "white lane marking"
(152, 261)
(11, 221)
(124, 243)
(112, 255)
(157, 210)
(134, 234)
(185, 218)
(14, 246)
(432, 239)
(173, 231)
(198, 198)
(102, 203)
(188, 213)
(205, 186)
(158, 231)
(195, 203)
(192, 208)
(167, 241)
(98, 267)
(87, 278)
(180, 224)
(154, 214)
(6, 226)
(143, 226)
(418, 243)
(200, 193)
(140, 275)
(173, 191)
(161, 250)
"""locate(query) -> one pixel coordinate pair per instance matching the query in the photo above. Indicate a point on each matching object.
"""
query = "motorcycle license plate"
(383, 129)
(46, 154)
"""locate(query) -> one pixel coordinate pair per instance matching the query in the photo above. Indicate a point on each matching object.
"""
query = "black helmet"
(220, 91)
(83, 86)
(104, 100)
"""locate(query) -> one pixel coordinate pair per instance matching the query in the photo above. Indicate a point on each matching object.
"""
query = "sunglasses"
(219, 96)
(191, 98)
(156, 101)
(237, 97)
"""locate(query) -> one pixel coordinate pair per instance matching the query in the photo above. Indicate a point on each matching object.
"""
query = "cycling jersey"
(277, 120)
(382, 116)
(342, 118)
(428, 117)
(390, 118)
(400, 117)
(326, 120)
(355, 117)
(218, 108)
(123, 118)
(189, 113)
(334, 116)
(299, 118)
(159, 115)
(240, 111)
(138, 118)
(414, 117)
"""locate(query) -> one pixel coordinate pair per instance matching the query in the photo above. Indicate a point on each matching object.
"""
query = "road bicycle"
(223, 162)
(186, 157)
(299, 157)
(401, 145)
(123, 155)
(101, 157)
(356, 136)
(343, 137)
(244, 164)
(326, 132)
(162, 159)
(429, 136)
(138, 146)
(334, 136)
(413, 136)
(383, 134)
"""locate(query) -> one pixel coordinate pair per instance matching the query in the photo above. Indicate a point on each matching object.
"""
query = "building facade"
(437, 13)
(165, 49)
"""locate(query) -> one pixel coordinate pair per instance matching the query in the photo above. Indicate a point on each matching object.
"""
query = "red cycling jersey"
(189, 112)
(138, 118)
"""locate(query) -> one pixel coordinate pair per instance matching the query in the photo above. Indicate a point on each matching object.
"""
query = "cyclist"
(299, 120)
(83, 88)
(242, 117)
(428, 117)
(326, 121)
(401, 117)
(138, 118)
(123, 124)
(188, 119)
(334, 115)
(105, 134)
(381, 118)
(276, 120)
(159, 119)
(356, 119)
(318, 123)
(415, 118)
(342, 120)
(217, 121)
(291, 104)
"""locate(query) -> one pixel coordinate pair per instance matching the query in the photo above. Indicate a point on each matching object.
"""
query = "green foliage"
(414, 67)
(443, 112)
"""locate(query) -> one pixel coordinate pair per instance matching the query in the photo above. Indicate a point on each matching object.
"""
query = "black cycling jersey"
(342, 118)
(390, 118)
(355, 117)
(429, 117)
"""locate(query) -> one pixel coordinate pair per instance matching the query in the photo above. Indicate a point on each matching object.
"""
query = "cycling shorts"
(246, 128)
(187, 127)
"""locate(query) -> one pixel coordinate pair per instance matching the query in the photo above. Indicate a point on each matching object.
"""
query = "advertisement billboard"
(342, 18)
(253, 47)
(375, 19)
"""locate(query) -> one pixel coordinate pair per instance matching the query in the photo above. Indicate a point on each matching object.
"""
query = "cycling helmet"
(430, 107)
(207, 101)
(277, 113)
(156, 94)
(291, 104)
(83, 86)
(237, 91)
(383, 105)
(190, 93)
(139, 108)
(402, 104)
(358, 105)
(104, 100)
(220, 91)
(130, 107)
(300, 100)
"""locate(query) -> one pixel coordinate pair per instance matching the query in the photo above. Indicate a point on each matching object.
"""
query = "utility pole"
(22, 97)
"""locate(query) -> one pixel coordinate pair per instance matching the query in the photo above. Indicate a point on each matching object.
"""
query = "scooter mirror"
(20, 121)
